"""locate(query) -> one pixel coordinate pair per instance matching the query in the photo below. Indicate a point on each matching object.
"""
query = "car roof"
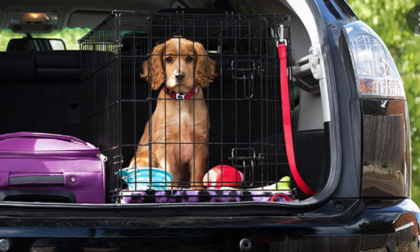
(21, 15)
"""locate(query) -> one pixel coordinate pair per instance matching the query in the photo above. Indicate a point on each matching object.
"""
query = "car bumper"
(363, 226)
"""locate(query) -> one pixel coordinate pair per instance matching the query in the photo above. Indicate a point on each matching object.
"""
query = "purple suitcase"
(50, 168)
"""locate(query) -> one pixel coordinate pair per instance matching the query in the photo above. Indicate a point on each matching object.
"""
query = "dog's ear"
(153, 69)
(205, 67)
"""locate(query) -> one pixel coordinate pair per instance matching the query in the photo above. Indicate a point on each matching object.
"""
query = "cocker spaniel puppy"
(180, 123)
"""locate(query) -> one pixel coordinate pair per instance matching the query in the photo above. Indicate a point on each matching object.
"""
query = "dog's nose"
(179, 76)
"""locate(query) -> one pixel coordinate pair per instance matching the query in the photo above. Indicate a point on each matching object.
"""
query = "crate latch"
(245, 72)
(245, 159)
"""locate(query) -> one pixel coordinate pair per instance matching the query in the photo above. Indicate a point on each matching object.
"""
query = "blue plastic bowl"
(139, 178)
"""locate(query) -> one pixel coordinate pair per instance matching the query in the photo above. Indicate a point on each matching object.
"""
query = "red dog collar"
(178, 96)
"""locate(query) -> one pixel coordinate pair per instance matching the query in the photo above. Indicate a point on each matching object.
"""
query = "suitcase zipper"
(67, 153)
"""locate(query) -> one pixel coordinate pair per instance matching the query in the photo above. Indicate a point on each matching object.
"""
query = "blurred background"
(387, 18)
(69, 36)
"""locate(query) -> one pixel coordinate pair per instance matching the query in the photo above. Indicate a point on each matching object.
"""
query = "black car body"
(362, 201)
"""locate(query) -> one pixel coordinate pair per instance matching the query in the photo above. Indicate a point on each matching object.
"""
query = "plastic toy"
(282, 185)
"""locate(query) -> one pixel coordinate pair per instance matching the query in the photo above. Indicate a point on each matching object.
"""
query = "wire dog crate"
(243, 101)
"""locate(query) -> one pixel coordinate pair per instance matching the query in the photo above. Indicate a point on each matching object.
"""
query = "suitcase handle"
(41, 135)
(38, 196)
(37, 180)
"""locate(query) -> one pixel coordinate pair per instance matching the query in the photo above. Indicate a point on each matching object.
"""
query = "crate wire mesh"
(243, 101)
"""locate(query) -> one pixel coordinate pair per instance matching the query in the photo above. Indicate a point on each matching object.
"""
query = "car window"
(70, 36)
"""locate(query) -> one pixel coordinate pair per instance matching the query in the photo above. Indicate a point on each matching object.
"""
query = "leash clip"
(280, 35)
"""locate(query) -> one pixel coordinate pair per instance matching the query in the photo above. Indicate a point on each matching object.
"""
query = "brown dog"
(180, 123)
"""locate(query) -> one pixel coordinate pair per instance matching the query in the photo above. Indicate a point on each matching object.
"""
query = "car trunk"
(112, 104)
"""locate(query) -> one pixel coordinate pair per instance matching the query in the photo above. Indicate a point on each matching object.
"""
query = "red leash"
(287, 122)
(284, 196)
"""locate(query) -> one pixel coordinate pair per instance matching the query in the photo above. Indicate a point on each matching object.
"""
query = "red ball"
(223, 175)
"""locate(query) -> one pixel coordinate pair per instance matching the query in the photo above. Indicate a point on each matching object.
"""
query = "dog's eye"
(168, 59)
(188, 59)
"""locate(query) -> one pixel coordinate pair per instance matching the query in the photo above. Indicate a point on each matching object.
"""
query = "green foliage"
(388, 19)
(5, 36)
(69, 36)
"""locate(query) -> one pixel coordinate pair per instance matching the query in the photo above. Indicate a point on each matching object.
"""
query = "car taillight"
(375, 71)
(385, 125)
